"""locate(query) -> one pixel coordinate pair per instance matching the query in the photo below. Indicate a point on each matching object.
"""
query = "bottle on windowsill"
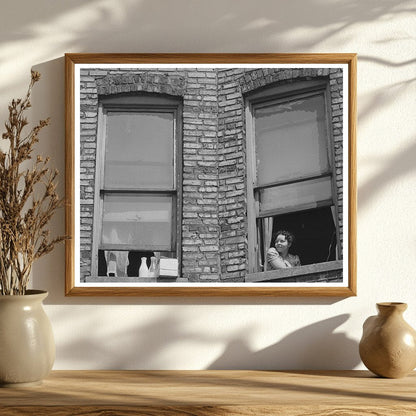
(143, 270)
(153, 269)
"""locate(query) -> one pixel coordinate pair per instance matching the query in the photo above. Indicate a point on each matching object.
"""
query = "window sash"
(320, 146)
(109, 113)
(134, 104)
(301, 189)
(170, 244)
(254, 214)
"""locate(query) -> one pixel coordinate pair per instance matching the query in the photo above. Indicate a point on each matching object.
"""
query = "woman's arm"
(274, 259)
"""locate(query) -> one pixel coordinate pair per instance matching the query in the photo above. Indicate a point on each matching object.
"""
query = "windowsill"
(295, 273)
(309, 273)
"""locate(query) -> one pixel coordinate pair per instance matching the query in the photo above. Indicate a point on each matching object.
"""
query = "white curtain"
(121, 258)
(257, 248)
(334, 217)
(267, 224)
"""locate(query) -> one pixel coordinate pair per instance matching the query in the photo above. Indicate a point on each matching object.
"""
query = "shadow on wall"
(403, 162)
(143, 347)
(153, 344)
(98, 18)
(314, 347)
(48, 100)
(144, 26)
(391, 170)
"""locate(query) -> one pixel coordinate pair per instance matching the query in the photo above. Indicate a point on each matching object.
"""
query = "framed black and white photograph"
(211, 174)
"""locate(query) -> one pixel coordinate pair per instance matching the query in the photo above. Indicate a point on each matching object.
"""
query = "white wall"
(201, 333)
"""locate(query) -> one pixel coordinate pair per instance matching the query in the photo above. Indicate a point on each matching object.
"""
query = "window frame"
(137, 103)
(262, 98)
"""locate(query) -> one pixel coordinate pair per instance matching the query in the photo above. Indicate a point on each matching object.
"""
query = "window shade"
(308, 192)
(291, 139)
(139, 151)
(141, 221)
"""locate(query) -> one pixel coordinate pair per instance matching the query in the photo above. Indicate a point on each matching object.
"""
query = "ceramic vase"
(388, 345)
(27, 347)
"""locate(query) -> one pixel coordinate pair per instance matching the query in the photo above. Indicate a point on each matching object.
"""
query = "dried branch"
(24, 217)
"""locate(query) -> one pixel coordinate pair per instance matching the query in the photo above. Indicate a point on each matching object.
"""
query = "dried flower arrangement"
(28, 199)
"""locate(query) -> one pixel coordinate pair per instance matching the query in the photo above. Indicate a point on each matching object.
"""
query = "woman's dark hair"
(289, 236)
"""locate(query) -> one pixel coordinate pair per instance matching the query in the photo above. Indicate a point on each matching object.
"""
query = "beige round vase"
(388, 345)
(27, 347)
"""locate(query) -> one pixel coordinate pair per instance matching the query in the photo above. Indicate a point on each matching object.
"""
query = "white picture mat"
(345, 133)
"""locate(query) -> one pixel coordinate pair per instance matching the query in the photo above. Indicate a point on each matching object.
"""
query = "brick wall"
(214, 214)
(232, 175)
(200, 230)
(88, 146)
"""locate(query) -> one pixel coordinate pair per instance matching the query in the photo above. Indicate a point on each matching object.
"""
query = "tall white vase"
(143, 270)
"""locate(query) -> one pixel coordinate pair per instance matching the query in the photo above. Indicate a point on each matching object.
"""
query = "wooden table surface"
(254, 393)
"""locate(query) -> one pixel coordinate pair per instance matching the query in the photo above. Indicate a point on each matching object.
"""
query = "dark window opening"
(314, 231)
(127, 263)
(133, 262)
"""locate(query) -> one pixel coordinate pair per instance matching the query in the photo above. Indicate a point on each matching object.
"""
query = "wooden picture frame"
(174, 155)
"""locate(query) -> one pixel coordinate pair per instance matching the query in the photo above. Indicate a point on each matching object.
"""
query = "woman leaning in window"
(278, 257)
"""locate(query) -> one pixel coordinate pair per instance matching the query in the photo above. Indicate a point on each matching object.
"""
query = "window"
(290, 173)
(137, 215)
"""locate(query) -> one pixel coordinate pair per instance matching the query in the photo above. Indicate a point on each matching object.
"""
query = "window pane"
(143, 222)
(139, 151)
(295, 194)
(291, 139)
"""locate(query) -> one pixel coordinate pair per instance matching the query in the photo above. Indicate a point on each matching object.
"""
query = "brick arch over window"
(161, 83)
(266, 77)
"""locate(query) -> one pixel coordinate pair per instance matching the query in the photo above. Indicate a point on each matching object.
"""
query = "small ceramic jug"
(388, 345)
